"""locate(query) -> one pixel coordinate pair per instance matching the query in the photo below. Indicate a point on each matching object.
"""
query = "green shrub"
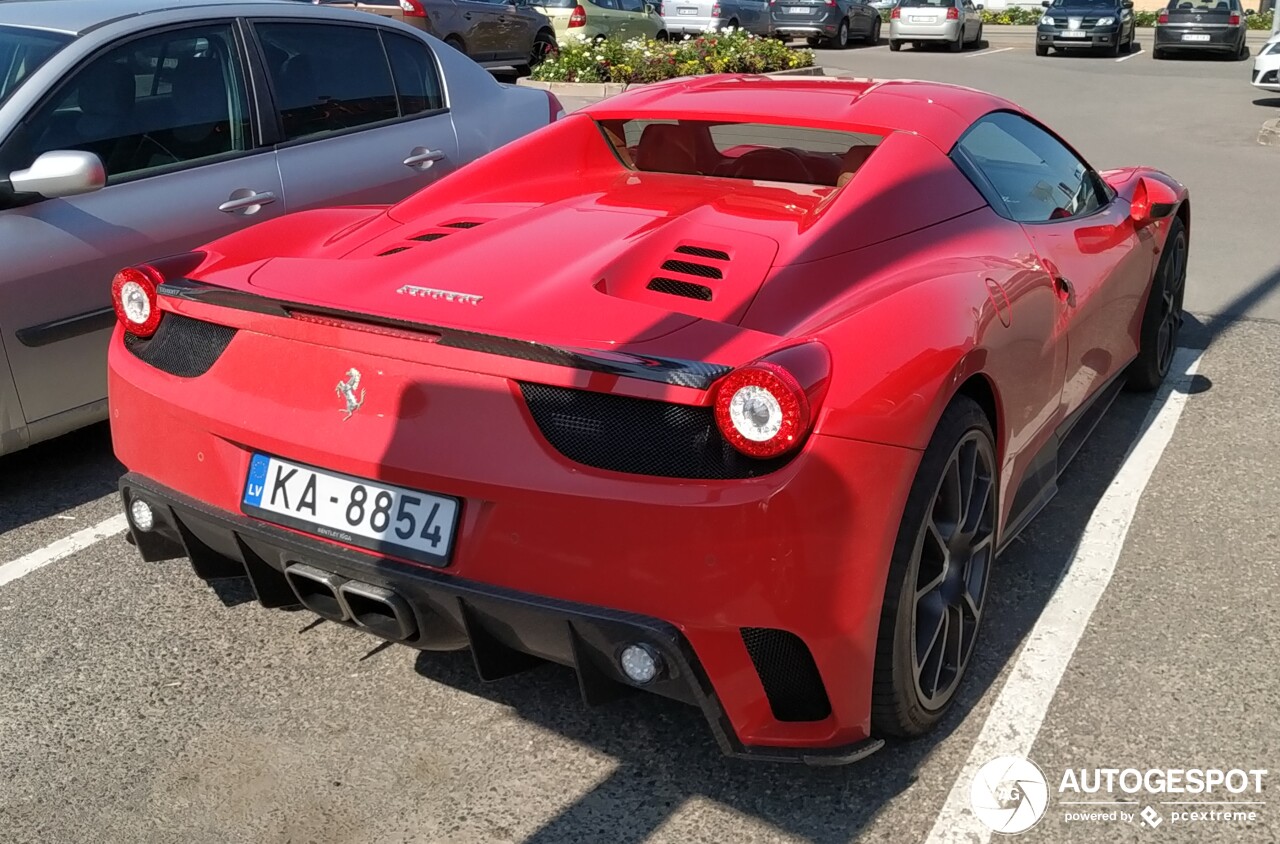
(640, 60)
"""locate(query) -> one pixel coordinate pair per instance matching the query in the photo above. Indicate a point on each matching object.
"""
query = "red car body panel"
(912, 283)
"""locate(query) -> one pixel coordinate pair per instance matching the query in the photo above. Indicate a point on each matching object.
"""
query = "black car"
(1086, 24)
(1215, 26)
(830, 24)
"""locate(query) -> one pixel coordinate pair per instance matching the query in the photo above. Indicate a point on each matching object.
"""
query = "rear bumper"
(506, 630)
(1220, 40)
(900, 30)
(825, 24)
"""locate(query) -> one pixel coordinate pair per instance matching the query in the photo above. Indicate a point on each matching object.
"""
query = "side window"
(416, 79)
(1036, 176)
(327, 77)
(152, 103)
(631, 6)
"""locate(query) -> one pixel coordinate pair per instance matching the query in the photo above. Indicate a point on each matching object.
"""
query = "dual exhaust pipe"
(378, 610)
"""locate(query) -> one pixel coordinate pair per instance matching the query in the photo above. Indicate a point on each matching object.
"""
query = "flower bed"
(641, 60)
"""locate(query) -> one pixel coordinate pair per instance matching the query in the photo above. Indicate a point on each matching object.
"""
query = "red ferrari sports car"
(731, 389)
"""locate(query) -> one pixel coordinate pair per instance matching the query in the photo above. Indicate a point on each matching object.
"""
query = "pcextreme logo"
(1011, 794)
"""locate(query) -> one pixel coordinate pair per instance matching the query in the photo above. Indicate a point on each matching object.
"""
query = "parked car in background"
(1086, 24)
(829, 23)
(696, 16)
(604, 18)
(494, 33)
(956, 23)
(1212, 26)
(130, 130)
(1266, 67)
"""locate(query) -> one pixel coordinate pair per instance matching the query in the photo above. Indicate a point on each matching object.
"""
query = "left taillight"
(766, 408)
(134, 291)
(1234, 20)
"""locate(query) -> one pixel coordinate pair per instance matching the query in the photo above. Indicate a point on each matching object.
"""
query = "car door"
(168, 114)
(971, 19)
(629, 19)
(355, 129)
(862, 19)
(482, 32)
(1083, 238)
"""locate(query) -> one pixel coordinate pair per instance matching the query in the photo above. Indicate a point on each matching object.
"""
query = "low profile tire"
(894, 46)
(841, 39)
(938, 576)
(1162, 319)
(1042, 50)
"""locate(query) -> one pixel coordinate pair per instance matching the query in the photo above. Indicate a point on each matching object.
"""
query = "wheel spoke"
(967, 470)
(933, 561)
(946, 508)
(982, 494)
(929, 651)
(941, 648)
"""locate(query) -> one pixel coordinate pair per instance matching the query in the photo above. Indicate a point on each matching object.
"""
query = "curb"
(609, 89)
(1269, 134)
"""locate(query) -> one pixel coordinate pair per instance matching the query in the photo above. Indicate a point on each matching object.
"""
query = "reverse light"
(1163, 18)
(413, 8)
(579, 17)
(133, 294)
(641, 663)
(765, 409)
(141, 515)
(953, 13)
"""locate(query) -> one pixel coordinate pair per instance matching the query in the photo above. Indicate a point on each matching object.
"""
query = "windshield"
(21, 52)
(943, 4)
(1088, 4)
(1201, 7)
(556, 4)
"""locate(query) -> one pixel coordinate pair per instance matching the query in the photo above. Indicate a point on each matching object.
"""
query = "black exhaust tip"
(380, 611)
(317, 591)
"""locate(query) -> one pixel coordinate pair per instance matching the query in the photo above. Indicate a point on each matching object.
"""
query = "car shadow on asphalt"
(667, 756)
(1268, 102)
(71, 470)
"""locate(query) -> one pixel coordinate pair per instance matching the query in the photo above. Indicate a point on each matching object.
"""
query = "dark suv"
(1086, 24)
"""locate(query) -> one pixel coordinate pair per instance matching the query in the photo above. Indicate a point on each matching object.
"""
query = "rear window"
(1203, 7)
(754, 151)
(21, 52)
(562, 4)
(943, 4)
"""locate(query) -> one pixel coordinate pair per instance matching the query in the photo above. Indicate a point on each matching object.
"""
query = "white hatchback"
(1266, 67)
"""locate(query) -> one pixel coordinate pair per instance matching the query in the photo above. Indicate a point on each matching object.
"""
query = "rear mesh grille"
(703, 252)
(788, 673)
(393, 251)
(181, 346)
(690, 268)
(429, 236)
(462, 224)
(639, 436)
(680, 288)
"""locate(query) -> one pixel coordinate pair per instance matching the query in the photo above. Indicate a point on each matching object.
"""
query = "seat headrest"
(852, 160)
(667, 148)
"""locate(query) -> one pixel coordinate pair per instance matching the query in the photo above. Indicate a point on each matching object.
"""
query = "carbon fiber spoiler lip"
(677, 372)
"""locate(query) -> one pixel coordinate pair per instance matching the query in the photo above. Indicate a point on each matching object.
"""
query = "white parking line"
(1019, 710)
(1132, 55)
(989, 52)
(64, 547)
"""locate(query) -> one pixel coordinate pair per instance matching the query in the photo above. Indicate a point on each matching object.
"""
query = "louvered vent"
(674, 287)
(430, 236)
(703, 252)
(693, 268)
(393, 251)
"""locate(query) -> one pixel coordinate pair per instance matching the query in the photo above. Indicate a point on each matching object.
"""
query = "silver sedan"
(130, 130)
(956, 23)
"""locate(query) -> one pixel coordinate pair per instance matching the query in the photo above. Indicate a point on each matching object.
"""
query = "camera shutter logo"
(1009, 794)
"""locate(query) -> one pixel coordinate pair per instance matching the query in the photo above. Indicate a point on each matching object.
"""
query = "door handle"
(467, 15)
(1066, 290)
(247, 200)
(421, 158)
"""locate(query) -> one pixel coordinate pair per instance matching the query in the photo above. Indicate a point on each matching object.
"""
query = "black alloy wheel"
(1163, 317)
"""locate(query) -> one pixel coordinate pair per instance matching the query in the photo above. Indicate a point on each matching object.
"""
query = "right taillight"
(579, 17)
(1163, 17)
(895, 14)
(953, 14)
(766, 408)
(1234, 20)
(413, 8)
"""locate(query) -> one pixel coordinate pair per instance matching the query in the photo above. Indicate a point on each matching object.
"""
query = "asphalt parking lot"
(138, 705)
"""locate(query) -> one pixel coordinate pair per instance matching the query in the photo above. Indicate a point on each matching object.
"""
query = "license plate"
(922, 18)
(1195, 37)
(368, 514)
(685, 10)
(1070, 34)
(796, 10)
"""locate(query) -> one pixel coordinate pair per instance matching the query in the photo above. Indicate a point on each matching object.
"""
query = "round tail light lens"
(133, 293)
(762, 410)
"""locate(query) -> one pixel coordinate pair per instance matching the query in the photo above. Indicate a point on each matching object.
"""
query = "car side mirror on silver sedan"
(59, 173)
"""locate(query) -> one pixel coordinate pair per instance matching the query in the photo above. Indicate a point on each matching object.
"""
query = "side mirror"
(59, 173)
(1044, 3)
(981, 7)
(1127, 4)
(1152, 200)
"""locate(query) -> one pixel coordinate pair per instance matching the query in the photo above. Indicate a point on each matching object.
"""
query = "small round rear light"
(762, 410)
(133, 294)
